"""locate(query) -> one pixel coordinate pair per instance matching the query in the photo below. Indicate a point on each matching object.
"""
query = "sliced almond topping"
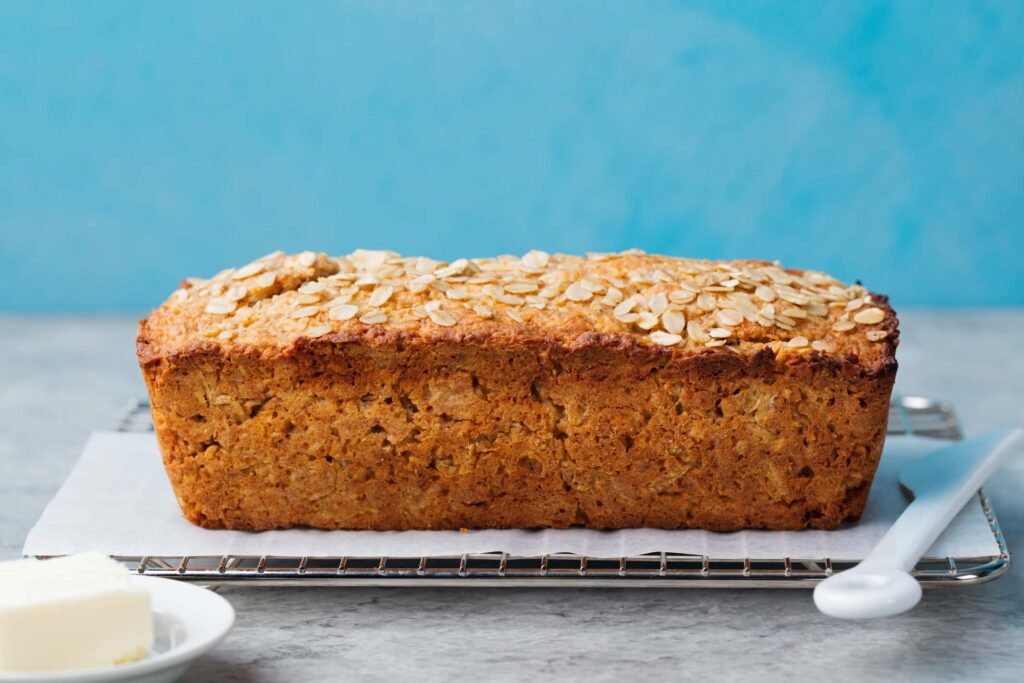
(457, 267)
(744, 304)
(514, 314)
(425, 278)
(538, 302)
(797, 342)
(522, 287)
(689, 286)
(343, 297)
(343, 312)
(647, 321)
(674, 322)
(729, 317)
(731, 293)
(817, 278)
(658, 303)
(792, 297)
(876, 335)
(715, 342)
(369, 259)
(822, 345)
(612, 297)
(869, 316)
(577, 291)
(617, 282)
(665, 339)
(374, 317)
(695, 332)
(423, 264)
(785, 320)
(778, 275)
(442, 317)
(342, 277)
(457, 293)
(765, 293)
(535, 260)
(221, 306)
(265, 280)
(681, 296)
(817, 309)
(380, 296)
(318, 331)
(624, 307)
(791, 312)
(253, 268)
(706, 302)
(367, 280)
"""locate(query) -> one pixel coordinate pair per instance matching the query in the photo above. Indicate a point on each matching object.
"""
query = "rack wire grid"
(908, 415)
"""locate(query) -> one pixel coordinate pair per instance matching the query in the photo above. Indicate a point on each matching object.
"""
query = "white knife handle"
(881, 585)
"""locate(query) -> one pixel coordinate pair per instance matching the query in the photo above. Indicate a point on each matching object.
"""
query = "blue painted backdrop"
(141, 142)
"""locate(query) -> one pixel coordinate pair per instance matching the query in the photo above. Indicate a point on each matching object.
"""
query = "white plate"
(187, 621)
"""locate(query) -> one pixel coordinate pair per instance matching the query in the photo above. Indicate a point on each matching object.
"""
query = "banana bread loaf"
(372, 391)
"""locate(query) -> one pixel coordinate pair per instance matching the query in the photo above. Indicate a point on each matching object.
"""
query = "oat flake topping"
(667, 302)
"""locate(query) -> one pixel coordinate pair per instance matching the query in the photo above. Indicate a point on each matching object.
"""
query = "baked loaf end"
(372, 391)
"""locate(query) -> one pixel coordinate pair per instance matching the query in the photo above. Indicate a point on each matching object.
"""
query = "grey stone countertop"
(60, 378)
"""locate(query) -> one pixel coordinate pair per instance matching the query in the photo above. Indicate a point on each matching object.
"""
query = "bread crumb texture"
(372, 391)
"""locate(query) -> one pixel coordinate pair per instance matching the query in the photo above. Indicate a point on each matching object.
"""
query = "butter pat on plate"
(77, 612)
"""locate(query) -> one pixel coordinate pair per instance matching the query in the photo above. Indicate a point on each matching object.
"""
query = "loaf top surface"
(669, 305)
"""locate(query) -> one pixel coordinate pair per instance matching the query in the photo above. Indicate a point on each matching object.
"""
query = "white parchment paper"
(117, 500)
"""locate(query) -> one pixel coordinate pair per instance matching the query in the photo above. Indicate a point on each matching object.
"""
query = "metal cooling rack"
(908, 415)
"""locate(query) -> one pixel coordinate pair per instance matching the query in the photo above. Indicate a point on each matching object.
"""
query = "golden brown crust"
(790, 310)
(568, 417)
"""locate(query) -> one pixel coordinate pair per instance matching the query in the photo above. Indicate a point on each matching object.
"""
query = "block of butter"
(74, 612)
